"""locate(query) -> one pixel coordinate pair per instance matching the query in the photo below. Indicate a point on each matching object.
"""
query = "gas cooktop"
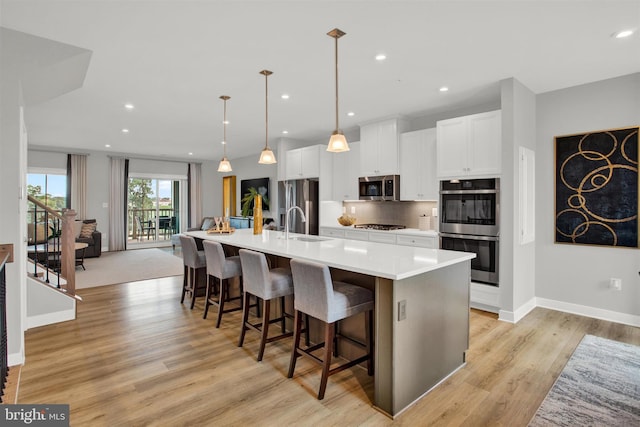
(380, 226)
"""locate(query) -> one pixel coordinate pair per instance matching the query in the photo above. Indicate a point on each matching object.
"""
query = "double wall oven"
(470, 222)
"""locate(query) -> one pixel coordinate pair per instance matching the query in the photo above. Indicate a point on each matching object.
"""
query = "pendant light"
(337, 143)
(266, 157)
(224, 165)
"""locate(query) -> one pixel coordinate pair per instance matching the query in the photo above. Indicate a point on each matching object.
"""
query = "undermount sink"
(306, 238)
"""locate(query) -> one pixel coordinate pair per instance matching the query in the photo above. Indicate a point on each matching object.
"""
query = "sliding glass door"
(154, 213)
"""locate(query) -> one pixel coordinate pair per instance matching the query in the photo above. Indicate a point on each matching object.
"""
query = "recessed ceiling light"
(381, 57)
(623, 34)
(191, 154)
(351, 114)
(129, 106)
(284, 96)
(107, 145)
(125, 130)
(444, 89)
(285, 132)
(225, 122)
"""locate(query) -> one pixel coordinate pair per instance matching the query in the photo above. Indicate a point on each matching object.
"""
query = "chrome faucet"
(286, 220)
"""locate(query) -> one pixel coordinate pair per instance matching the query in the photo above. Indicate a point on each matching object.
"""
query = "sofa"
(93, 239)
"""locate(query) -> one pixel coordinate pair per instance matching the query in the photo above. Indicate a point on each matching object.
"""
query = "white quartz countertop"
(375, 259)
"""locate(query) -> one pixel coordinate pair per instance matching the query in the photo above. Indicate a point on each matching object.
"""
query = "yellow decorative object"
(346, 220)
(228, 230)
(257, 215)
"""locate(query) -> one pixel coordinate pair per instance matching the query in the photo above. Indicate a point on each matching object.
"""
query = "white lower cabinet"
(356, 234)
(331, 232)
(485, 297)
(418, 241)
(429, 242)
(382, 237)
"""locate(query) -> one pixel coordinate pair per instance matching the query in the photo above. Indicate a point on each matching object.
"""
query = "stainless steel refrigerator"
(304, 194)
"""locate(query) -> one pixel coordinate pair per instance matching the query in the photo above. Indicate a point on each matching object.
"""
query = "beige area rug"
(127, 266)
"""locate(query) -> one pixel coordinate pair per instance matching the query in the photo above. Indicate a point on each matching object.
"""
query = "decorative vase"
(257, 215)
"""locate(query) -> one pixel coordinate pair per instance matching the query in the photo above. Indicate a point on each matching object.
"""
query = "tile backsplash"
(397, 213)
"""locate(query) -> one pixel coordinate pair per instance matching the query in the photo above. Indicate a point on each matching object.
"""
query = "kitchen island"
(421, 304)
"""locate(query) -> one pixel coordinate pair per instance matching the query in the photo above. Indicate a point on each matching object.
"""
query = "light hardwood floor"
(136, 356)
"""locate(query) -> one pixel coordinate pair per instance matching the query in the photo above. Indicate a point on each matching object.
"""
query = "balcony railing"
(144, 223)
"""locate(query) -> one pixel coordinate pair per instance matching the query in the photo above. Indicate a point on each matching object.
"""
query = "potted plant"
(247, 201)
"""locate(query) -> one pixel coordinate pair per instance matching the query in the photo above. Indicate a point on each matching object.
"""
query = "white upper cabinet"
(346, 171)
(379, 147)
(303, 163)
(418, 179)
(470, 146)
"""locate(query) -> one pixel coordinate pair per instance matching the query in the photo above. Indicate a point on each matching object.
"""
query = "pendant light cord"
(224, 129)
(337, 125)
(266, 111)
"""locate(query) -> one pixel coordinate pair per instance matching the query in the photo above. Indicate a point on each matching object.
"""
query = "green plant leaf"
(247, 201)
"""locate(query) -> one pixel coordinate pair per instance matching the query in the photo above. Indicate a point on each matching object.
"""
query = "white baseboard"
(49, 318)
(519, 313)
(583, 310)
(14, 359)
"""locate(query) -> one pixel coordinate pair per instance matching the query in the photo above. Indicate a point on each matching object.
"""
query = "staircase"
(51, 293)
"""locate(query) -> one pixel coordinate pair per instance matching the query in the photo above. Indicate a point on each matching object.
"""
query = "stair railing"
(52, 244)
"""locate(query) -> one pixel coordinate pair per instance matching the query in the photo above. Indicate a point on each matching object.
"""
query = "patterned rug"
(599, 386)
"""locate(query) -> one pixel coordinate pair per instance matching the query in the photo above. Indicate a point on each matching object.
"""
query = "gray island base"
(421, 305)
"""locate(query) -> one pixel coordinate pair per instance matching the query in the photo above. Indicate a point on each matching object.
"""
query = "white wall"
(517, 262)
(576, 277)
(13, 230)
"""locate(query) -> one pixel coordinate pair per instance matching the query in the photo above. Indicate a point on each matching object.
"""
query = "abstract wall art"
(596, 180)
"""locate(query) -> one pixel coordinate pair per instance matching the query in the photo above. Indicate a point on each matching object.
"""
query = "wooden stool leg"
(194, 281)
(297, 324)
(265, 327)
(206, 297)
(307, 340)
(369, 332)
(224, 294)
(245, 317)
(184, 283)
(282, 322)
(336, 331)
(329, 333)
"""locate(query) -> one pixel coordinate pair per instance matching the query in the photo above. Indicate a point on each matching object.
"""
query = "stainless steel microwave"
(379, 187)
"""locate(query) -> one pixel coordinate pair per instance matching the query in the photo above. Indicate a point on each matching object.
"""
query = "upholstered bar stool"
(223, 268)
(193, 260)
(267, 284)
(317, 295)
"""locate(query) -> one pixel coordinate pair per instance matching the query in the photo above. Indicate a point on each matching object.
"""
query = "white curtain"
(77, 168)
(195, 194)
(118, 184)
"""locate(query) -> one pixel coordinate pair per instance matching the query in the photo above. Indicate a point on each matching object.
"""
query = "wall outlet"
(402, 310)
(615, 284)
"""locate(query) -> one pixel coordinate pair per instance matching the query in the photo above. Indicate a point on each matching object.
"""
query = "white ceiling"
(173, 59)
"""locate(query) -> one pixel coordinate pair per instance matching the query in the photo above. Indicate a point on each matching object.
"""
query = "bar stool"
(330, 301)
(267, 284)
(223, 268)
(193, 260)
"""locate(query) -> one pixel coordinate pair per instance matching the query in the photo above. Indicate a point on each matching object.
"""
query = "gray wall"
(578, 274)
(517, 275)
